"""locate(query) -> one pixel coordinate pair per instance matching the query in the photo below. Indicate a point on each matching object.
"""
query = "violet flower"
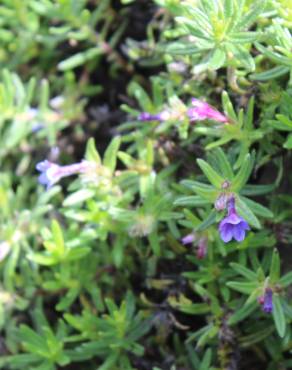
(201, 110)
(233, 226)
(268, 301)
(162, 116)
(51, 172)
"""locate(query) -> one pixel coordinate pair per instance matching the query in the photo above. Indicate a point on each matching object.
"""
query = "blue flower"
(51, 172)
(268, 301)
(233, 226)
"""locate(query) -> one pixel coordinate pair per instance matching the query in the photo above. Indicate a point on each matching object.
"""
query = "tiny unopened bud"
(221, 202)
(226, 184)
(202, 248)
(261, 300)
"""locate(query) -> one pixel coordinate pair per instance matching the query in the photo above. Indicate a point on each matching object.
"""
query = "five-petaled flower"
(51, 172)
(233, 226)
(201, 110)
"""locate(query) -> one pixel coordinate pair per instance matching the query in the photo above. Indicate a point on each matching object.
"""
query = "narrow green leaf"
(243, 152)
(223, 163)
(149, 153)
(77, 253)
(256, 337)
(91, 154)
(78, 197)
(275, 57)
(208, 221)
(66, 301)
(206, 361)
(257, 189)
(140, 94)
(243, 312)
(217, 59)
(275, 267)
(110, 155)
(205, 191)
(44, 95)
(249, 114)
(190, 201)
(243, 56)
(155, 243)
(286, 280)
(278, 315)
(214, 178)
(271, 74)
(43, 259)
(228, 9)
(288, 142)
(219, 142)
(243, 174)
(251, 16)
(285, 120)
(257, 208)
(80, 58)
(193, 309)
(180, 48)
(244, 37)
(243, 287)
(247, 213)
(58, 236)
(249, 274)
(228, 107)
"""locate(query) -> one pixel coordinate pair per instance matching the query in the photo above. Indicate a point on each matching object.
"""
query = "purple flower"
(268, 301)
(51, 172)
(232, 226)
(162, 116)
(188, 239)
(201, 110)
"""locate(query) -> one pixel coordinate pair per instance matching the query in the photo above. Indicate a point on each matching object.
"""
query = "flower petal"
(238, 233)
(234, 219)
(43, 179)
(244, 225)
(43, 165)
(226, 233)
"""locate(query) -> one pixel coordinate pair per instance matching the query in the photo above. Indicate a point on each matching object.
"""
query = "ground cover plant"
(145, 184)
